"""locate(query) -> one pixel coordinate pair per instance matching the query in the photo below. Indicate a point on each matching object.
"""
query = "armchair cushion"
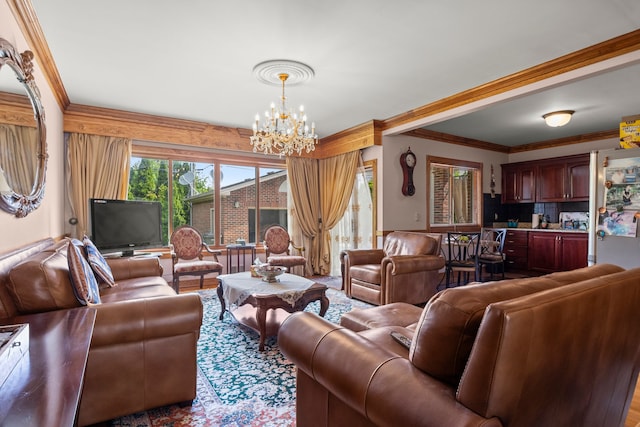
(196, 266)
(369, 273)
(286, 261)
(406, 243)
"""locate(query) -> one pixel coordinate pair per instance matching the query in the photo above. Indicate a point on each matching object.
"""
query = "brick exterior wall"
(235, 220)
(441, 205)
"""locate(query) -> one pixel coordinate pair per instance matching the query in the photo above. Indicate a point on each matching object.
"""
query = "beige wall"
(48, 219)
(400, 212)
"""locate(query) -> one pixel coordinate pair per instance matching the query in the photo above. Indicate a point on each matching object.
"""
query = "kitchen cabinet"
(563, 180)
(518, 183)
(550, 252)
(516, 250)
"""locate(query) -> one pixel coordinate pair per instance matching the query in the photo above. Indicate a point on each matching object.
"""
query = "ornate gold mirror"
(23, 146)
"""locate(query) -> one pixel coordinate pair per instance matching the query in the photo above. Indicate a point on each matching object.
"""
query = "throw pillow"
(83, 282)
(97, 262)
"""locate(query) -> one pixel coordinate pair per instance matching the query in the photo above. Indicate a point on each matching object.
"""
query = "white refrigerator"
(614, 207)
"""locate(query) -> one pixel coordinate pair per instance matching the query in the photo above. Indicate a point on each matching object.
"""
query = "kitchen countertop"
(526, 226)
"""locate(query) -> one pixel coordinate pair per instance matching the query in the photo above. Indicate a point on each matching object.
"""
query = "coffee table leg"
(324, 305)
(261, 319)
(221, 298)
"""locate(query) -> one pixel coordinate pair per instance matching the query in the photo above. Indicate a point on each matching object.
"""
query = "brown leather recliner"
(405, 270)
(556, 350)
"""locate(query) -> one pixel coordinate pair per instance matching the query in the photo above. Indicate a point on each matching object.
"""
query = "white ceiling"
(373, 59)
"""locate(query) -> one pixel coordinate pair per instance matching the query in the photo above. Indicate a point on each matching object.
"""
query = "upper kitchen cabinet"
(563, 180)
(518, 183)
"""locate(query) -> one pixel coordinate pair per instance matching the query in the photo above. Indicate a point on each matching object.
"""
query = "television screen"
(125, 225)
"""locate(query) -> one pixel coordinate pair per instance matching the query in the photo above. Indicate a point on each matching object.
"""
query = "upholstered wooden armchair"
(278, 244)
(405, 270)
(186, 256)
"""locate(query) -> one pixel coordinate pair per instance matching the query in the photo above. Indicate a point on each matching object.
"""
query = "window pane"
(149, 180)
(193, 197)
(237, 203)
(462, 199)
(454, 197)
(273, 200)
(440, 193)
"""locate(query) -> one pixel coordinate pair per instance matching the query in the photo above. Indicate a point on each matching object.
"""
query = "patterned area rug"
(237, 384)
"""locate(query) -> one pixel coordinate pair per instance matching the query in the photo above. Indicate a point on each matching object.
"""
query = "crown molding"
(458, 140)
(608, 49)
(28, 22)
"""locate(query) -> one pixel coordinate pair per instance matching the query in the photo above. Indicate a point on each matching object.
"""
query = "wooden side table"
(240, 252)
(45, 386)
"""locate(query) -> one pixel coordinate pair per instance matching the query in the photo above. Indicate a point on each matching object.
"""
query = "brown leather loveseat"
(406, 269)
(143, 348)
(558, 350)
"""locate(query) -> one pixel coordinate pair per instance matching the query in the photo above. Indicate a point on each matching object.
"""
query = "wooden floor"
(633, 418)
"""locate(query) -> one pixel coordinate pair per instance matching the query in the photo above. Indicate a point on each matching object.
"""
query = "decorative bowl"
(270, 273)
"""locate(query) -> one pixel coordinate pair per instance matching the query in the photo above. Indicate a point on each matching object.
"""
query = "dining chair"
(491, 252)
(463, 248)
(186, 256)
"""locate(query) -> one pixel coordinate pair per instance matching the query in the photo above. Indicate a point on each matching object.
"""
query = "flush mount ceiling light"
(283, 132)
(558, 118)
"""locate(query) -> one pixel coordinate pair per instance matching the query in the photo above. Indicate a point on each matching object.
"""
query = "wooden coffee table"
(263, 306)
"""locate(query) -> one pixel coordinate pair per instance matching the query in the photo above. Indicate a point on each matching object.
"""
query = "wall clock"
(408, 162)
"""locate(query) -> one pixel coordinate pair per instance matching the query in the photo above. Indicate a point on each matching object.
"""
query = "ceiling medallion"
(282, 131)
(268, 72)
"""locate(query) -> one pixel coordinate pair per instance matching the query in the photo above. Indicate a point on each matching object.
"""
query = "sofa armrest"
(402, 264)
(132, 267)
(143, 319)
(380, 385)
(363, 256)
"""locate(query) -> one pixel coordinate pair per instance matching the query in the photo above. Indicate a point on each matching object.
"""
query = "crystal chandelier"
(282, 131)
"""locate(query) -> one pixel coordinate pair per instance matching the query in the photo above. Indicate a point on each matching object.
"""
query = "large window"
(149, 180)
(455, 192)
(248, 195)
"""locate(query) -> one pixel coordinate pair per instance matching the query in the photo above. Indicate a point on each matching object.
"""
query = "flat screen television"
(125, 225)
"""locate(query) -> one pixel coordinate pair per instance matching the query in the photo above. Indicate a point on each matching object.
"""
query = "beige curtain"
(98, 167)
(319, 201)
(19, 150)
(305, 187)
(337, 175)
(355, 228)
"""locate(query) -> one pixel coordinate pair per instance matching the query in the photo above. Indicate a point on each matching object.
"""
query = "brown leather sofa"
(557, 350)
(143, 349)
(406, 269)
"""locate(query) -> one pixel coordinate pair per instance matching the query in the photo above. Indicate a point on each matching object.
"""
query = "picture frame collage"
(621, 198)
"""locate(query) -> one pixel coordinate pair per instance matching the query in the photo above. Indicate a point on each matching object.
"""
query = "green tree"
(149, 180)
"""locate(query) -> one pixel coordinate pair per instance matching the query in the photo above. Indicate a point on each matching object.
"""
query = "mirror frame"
(21, 63)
